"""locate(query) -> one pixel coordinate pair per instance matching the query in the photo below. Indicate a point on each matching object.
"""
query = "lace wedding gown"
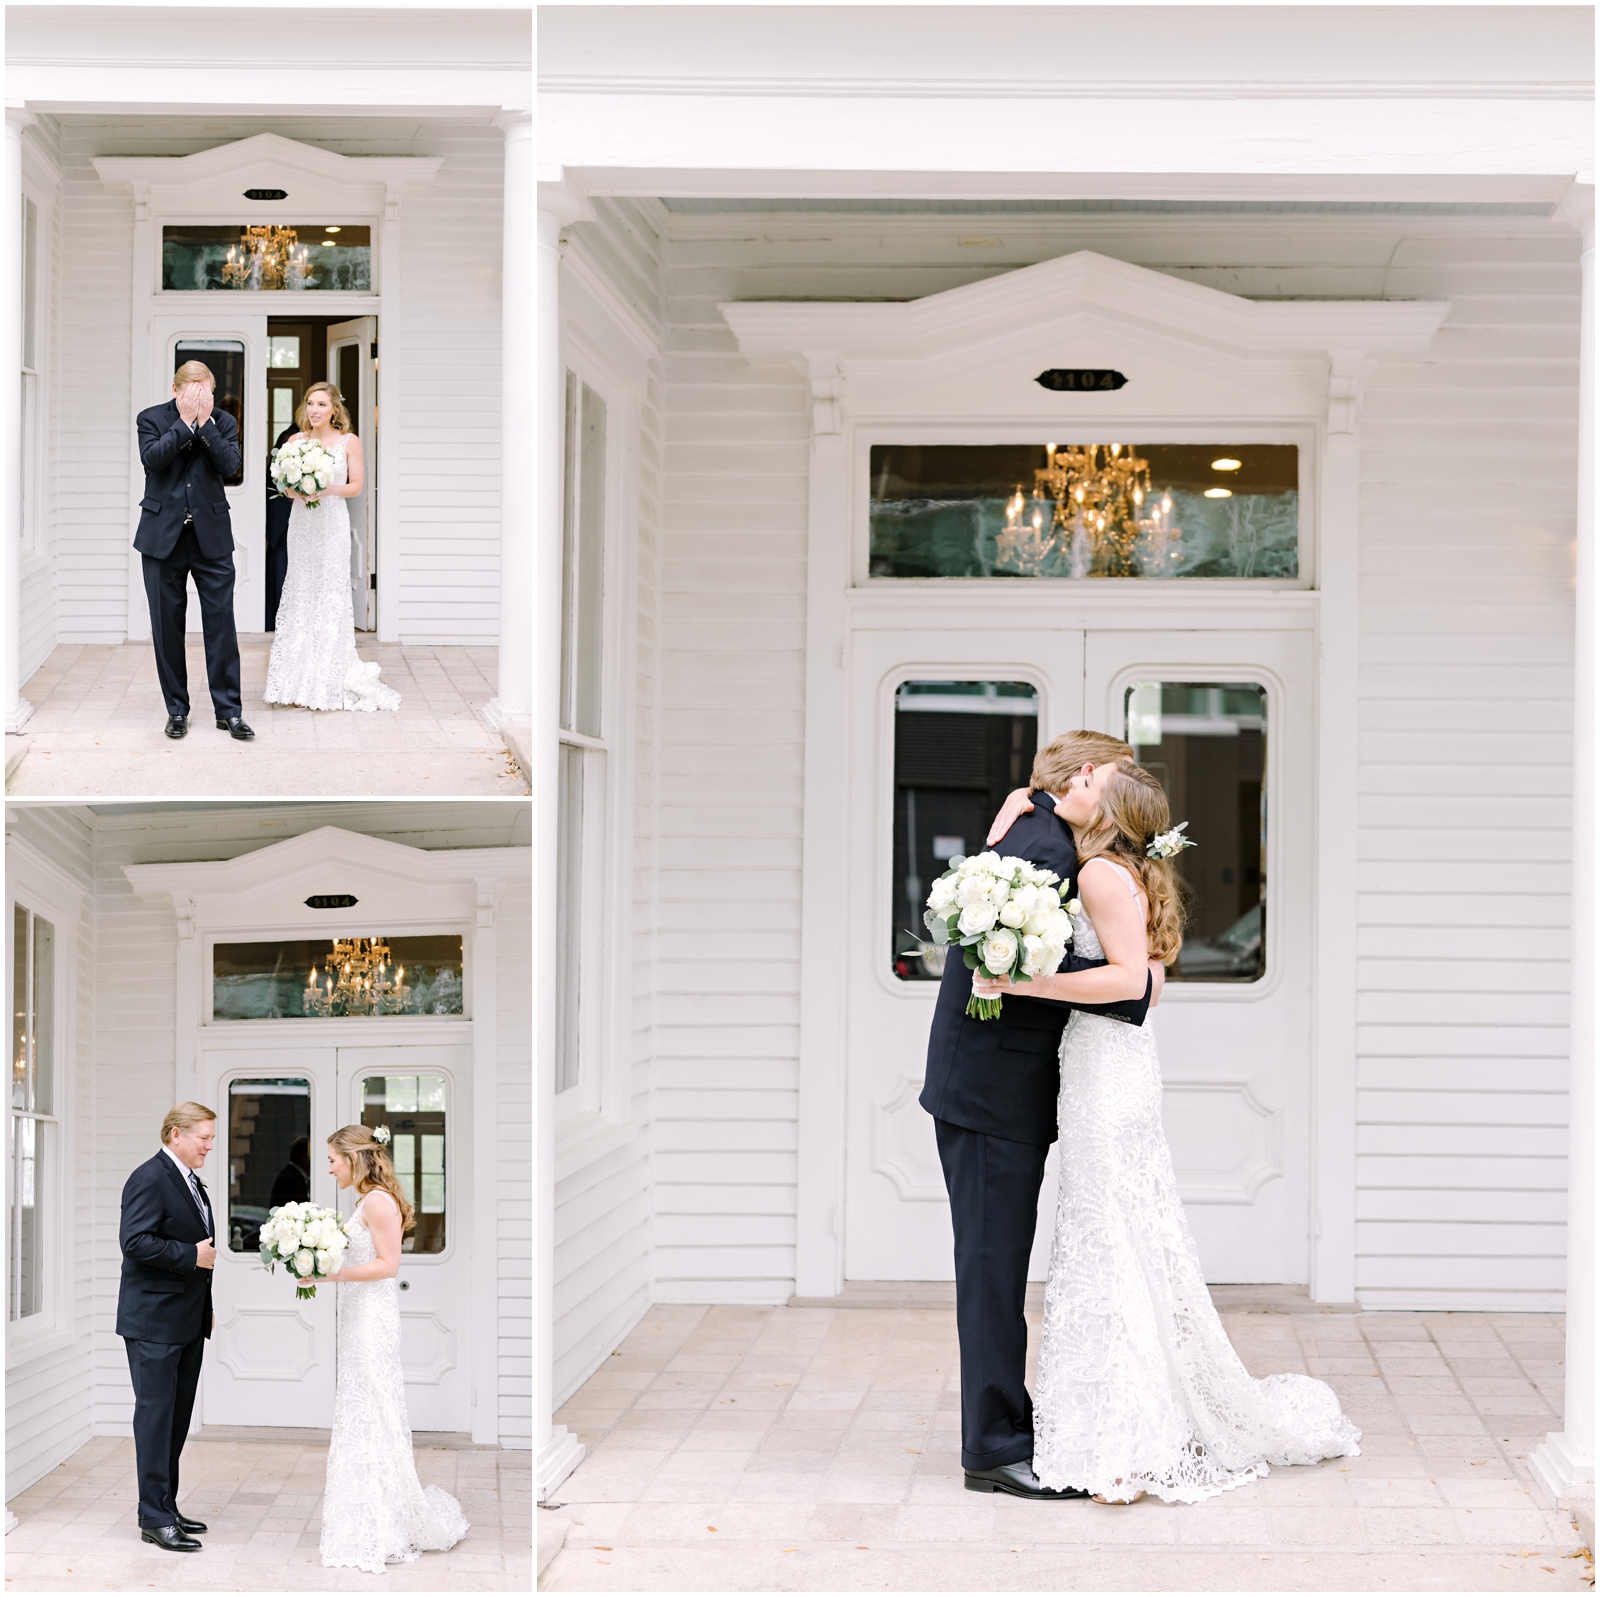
(374, 1510)
(314, 661)
(1138, 1387)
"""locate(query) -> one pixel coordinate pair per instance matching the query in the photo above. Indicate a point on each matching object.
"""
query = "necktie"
(200, 1203)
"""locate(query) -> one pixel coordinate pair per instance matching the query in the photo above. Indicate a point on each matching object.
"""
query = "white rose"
(1073, 906)
(1013, 914)
(1037, 925)
(976, 918)
(998, 950)
(972, 890)
(1032, 956)
(942, 896)
(291, 473)
(303, 1261)
(322, 1261)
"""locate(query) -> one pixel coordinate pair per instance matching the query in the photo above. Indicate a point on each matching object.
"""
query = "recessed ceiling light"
(1219, 493)
(1225, 465)
(331, 229)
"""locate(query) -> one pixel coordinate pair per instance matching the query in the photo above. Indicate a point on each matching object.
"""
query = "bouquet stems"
(303, 1291)
(983, 1008)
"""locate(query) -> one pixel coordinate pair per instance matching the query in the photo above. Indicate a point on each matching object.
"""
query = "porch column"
(17, 708)
(1563, 1464)
(559, 206)
(512, 704)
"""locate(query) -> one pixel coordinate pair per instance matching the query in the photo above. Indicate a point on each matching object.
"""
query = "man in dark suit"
(278, 510)
(189, 450)
(164, 1312)
(991, 1087)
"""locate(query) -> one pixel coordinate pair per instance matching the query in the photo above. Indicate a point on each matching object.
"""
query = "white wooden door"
(352, 368)
(423, 1094)
(271, 1358)
(897, 1217)
(1234, 1028)
(1235, 1051)
(233, 343)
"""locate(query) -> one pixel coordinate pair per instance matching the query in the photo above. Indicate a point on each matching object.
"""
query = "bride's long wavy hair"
(1133, 809)
(369, 1164)
(339, 420)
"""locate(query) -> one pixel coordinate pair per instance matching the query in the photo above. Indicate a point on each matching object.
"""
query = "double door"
(273, 1358)
(262, 367)
(943, 723)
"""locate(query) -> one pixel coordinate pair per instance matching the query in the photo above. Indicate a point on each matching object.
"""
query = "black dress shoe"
(177, 726)
(191, 1527)
(170, 1537)
(234, 726)
(1019, 1480)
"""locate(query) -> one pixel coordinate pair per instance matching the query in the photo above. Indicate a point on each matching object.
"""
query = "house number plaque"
(331, 901)
(1079, 381)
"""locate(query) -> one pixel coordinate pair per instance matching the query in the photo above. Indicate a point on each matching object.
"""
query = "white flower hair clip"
(381, 1134)
(1165, 844)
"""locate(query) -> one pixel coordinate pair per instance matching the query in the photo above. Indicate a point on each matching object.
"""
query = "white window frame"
(599, 1108)
(35, 379)
(39, 885)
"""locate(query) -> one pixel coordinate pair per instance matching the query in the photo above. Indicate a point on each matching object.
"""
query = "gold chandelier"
(360, 979)
(1095, 497)
(265, 257)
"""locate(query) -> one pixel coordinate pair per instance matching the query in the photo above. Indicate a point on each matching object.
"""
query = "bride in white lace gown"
(374, 1510)
(1138, 1388)
(314, 661)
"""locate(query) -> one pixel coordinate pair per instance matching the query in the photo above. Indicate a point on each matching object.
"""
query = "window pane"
(569, 915)
(416, 1148)
(296, 255)
(1149, 510)
(283, 349)
(19, 1007)
(44, 1007)
(30, 283)
(225, 359)
(269, 1153)
(367, 976)
(27, 1264)
(959, 748)
(583, 547)
(1207, 743)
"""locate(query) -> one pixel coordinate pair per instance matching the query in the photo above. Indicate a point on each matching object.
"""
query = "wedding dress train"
(374, 1509)
(1138, 1387)
(314, 661)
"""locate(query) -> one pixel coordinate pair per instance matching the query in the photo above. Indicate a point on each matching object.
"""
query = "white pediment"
(990, 339)
(314, 180)
(394, 885)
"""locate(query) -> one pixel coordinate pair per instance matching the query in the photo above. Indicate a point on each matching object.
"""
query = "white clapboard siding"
(1466, 650)
(447, 432)
(602, 1264)
(49, 1399)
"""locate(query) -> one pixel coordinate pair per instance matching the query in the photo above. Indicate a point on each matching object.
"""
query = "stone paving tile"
(823, 1452)
(78, 1528)
(98, 716)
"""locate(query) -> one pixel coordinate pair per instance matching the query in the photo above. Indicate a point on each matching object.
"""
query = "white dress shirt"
(191, 1184)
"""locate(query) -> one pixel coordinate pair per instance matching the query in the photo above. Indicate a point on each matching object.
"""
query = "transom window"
(328, 978)
(295, 256)
(1043, 511)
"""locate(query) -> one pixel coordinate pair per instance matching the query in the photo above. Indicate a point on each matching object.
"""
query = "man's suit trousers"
(165, 1376)
(994, 1205)
(166, 586)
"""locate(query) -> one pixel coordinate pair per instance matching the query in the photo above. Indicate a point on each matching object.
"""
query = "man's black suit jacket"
(1003, 1076)
(165, 1296)
(184, 474)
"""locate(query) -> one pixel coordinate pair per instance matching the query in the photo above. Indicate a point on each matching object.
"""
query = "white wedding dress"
(374, 1509)
(1138, 1387)
(314, 661)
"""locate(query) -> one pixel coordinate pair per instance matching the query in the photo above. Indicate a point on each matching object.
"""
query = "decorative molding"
(1259, 1165)
(1576, 209)
(227, 1351)
(444, 1349)
(578, 262)
(26, 860)
(979, 322)
(822, 371)
(262, 161)
(1348, 371)
(183, 908)
(914, 1178)
(564, 201)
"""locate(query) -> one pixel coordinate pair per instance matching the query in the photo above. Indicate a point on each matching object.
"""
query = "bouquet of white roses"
(305, 466)
(1005, 915)
(309, 1241)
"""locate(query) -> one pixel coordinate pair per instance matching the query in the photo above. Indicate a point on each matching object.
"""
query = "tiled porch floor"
(263, 1502)
(759, 1449)
(98, 716)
